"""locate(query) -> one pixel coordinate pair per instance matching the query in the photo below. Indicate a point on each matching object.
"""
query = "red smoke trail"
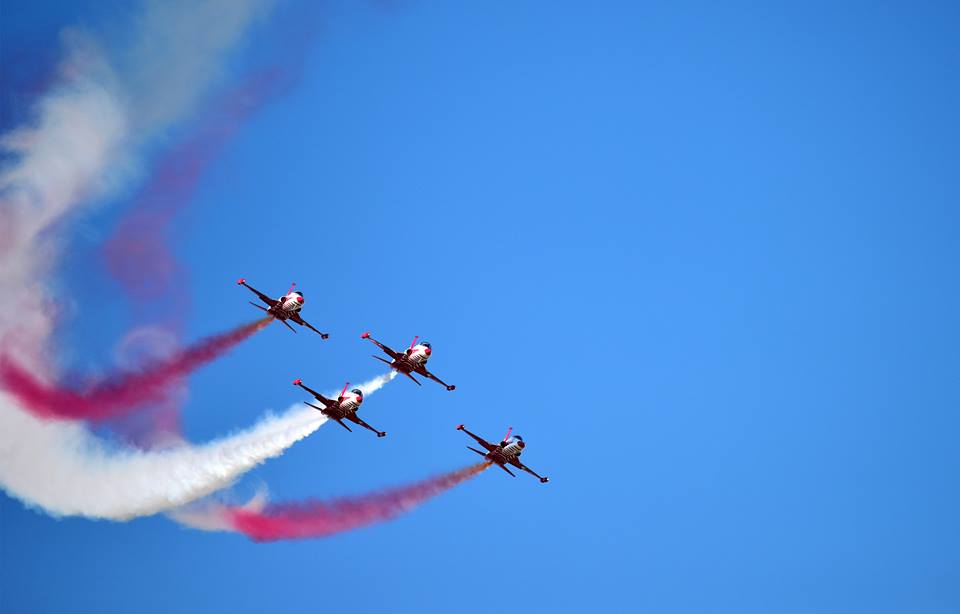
(122, 392)
(138, 254)
(319, 518)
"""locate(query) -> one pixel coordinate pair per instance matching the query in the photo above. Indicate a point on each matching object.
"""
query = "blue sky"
(702, 258)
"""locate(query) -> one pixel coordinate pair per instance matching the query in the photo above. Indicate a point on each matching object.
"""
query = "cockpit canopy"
(516, 438)
(357, 392)
(298, 292)
(425, 344)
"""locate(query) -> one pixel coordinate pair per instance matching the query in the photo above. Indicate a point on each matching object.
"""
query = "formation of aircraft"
(411, 361)
(287, 307)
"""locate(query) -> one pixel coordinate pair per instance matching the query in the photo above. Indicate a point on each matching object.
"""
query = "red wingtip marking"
(365, 336)
(459, 427)
(241, 281)
(297, 382)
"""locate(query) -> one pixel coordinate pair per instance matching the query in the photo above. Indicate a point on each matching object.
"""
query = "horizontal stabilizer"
(320, 409)
(477, 451)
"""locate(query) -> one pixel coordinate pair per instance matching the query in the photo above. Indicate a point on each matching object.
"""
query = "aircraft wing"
(516, 463)
(388, 351)
(423, 371)
(358, 420)
(296, 318)
(328, 403)
(480, 440)
(263, 297)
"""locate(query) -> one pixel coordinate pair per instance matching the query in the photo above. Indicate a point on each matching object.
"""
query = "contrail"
(311, 519)
(64, 469)
(121, 392)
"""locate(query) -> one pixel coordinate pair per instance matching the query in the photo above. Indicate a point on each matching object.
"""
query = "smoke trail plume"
(139, 254)
(121, 392)
(64, 469)
(83, 144)
(310, 519)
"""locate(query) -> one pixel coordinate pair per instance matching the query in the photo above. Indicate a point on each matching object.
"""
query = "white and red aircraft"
(287, 307)
(344, 408)
(506, 452)
(413, 360)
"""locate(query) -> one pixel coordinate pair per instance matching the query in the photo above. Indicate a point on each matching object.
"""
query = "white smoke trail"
(207, 515)
(82, 144)
(83, 141)
(67, 471)
(211, 514)
(58, 162)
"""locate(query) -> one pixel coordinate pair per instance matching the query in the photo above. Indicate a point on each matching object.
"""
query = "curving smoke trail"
(82, 146)
(139, 254)
(64, 469)
(311, 519)
(119, 393)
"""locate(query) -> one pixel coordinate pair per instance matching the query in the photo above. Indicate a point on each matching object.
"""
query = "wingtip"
(459, 427)
(451, 387)
(544, 480)
(297, 382)
(241, 281)
(365, 336)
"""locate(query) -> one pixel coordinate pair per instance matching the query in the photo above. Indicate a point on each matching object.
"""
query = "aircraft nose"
(521, 444)
(300, 300)
(427, 351)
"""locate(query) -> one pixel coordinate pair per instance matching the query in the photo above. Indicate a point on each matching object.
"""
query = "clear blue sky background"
(703, 257)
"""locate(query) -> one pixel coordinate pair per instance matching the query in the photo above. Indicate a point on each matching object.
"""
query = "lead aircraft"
(287, 307)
